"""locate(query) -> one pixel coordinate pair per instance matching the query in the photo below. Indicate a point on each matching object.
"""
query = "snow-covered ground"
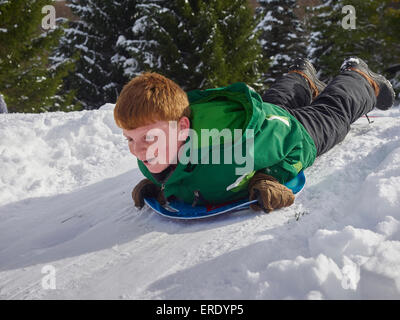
(65, 207)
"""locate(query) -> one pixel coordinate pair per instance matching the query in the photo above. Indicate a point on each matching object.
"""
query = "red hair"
(148, 98)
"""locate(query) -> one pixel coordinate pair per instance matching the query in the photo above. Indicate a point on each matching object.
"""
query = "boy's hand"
(269, 192)
(146, 189)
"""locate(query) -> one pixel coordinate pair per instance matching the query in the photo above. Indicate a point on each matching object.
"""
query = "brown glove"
(269, 192)
(147, 189)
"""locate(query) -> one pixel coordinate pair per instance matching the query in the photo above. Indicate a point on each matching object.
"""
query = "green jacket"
(282, 146)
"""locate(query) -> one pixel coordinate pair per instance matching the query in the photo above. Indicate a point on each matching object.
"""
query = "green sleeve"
(278, 148)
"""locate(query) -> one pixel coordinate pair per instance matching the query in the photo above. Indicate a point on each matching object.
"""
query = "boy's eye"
(129, 139)
(149, 138)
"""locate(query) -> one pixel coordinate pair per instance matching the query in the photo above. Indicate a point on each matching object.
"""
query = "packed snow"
(65, 205)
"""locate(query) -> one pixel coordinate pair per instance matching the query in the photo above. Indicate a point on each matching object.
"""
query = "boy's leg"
(290, 91)
(347, 97)
(295, 89)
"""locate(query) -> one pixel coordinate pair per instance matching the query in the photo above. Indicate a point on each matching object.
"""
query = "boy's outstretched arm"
(270, 193)
(266, 189)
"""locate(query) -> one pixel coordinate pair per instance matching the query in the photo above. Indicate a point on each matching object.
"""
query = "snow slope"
(65, 183)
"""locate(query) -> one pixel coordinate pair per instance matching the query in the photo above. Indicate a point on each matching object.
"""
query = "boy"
(297, 119)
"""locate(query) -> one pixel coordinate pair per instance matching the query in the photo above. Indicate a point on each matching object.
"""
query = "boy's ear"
(183, 128)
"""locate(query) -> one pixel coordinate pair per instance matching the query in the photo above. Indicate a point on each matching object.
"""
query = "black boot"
(383, 88)
(307, 70)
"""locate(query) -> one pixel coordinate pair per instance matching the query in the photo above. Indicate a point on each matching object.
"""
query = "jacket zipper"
(197, 197)
(197, 194)
(165, 181)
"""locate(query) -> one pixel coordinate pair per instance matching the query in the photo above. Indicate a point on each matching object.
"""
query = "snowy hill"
(65, 183)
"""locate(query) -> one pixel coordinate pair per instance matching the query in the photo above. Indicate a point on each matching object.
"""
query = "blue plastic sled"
(181, 210)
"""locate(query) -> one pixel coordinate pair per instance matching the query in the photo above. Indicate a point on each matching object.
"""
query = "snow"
(65, 202)
(349, 60)
(140, 25)
(265, 23)
(51, 153)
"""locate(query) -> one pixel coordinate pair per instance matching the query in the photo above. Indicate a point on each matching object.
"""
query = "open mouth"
(149, 161)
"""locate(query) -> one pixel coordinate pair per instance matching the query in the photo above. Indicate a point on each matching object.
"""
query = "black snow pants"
(328, 118)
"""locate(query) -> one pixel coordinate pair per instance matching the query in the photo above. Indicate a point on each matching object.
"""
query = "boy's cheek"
(131, 150)
(134, 153)
(137, 152)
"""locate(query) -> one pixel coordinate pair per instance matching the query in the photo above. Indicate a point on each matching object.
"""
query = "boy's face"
(157, 144)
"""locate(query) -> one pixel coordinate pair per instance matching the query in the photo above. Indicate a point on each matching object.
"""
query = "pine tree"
(283, 36)
(323, 25)
(330, 42)
(374, 39)
(95, 37)
(389, 21)
(199, 44)
(29, 80)
(135, 48)
(238, 57)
